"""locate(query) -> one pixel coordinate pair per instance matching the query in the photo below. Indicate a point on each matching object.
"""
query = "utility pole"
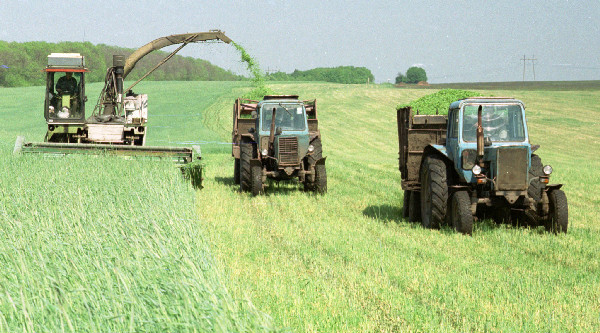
(525, 60)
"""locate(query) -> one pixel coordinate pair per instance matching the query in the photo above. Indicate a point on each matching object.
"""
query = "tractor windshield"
(64, 100)
(289, 117)
(501, 123)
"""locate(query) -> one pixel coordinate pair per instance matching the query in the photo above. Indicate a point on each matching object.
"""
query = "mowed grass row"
(104, 244)
(347, 261)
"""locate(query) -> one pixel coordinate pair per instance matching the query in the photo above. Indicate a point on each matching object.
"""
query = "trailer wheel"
(434, 192)
(405, 201)
(536, 188)
(245, 170)
(236, 171)
(462, 219)
(414, 206)
(257, 183)
(558, 219)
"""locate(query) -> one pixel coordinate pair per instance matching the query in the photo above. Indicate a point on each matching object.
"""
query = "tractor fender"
(321, 161)
(552, 187)
(438, 150)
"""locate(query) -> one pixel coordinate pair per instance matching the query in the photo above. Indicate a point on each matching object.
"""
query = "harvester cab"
(280, 140)
(64, 105)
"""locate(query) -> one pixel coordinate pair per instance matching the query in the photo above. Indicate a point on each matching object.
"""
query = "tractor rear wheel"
(414, 206)
(257, 183)
(245, 170)
(462, 219)
(236, 171)
(320, 185)
(434, 192)
(558, 219)
(405, 201)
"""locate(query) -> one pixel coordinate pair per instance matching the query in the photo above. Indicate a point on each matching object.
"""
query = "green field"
(103, 244)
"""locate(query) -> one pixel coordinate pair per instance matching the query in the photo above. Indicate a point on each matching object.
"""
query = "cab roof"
(485, 100)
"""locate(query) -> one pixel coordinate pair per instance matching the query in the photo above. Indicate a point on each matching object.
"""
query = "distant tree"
(415, 75)
(400, 78)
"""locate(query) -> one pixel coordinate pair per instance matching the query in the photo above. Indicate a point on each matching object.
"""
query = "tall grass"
(104, 244)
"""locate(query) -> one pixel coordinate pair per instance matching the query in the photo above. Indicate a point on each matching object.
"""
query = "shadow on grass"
(272, 187)
(225, 181)
(385, 213)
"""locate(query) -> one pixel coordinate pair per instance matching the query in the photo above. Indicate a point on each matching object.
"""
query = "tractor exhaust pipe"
(272, 132)
(480, 144)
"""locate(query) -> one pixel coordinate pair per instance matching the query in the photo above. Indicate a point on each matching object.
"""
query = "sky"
(454, 41)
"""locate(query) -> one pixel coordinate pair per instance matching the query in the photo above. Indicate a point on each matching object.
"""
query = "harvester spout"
(171, 40)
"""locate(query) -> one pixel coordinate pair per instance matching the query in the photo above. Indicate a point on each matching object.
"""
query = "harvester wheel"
(414, 206)
(245, 170)
(462, 219)
(236, 171)
(257, 183)
(558, 221)
(536, 188)
(405, 201)
(434, 192)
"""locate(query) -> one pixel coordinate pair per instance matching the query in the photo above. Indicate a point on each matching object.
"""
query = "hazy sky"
(455, 41)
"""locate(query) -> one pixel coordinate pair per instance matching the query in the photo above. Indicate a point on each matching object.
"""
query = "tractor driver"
(66, 84)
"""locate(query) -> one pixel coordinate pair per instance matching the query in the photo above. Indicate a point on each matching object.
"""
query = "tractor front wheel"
(558, 219)
(257, 183)
(462, 219)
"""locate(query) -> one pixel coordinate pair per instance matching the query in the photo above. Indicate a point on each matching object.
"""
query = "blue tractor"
(476, 162)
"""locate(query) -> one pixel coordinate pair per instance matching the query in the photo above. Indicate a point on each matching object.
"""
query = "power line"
(525, 60)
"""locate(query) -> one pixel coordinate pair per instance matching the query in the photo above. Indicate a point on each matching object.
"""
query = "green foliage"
(258, 80)
(341, 74)
(415, 75)
(439, 101)
(26, 60)
(400, 78)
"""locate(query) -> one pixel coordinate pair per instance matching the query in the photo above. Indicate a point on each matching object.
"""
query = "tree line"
(21, 63)
(341, 74)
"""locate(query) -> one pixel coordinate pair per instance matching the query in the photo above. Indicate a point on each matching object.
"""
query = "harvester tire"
(558, 219)
(414, 206)
(434, 192)
(536, 188)
(405, 201)
(245, 170)
(257, 183)
(236, 171)
(462, 219)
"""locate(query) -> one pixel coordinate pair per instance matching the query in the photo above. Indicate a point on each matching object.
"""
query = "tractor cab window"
(501, 123)
(289, 117)
(64, 95)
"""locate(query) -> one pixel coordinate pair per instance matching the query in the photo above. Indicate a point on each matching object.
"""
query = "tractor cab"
(65, 88)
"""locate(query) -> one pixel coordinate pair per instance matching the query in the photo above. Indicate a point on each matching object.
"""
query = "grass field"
(137, 249)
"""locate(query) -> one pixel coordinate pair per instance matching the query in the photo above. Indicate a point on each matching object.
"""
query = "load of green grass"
(440, 101)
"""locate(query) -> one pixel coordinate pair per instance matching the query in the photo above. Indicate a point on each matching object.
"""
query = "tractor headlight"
(476, 169)
(547, 170)
(264, 152)
(311, 148)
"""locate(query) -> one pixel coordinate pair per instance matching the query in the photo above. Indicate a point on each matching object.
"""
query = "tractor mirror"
(251, 130)
(254, 114)
(278, 131)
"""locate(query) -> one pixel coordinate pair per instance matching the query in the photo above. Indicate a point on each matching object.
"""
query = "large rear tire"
(245, 170)
(257, 183)
(434, 192)
(558, 219)
(320, 185)
(462, 219)
(236, 171)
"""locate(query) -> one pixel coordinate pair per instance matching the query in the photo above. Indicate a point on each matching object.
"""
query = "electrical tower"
(525, 60)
